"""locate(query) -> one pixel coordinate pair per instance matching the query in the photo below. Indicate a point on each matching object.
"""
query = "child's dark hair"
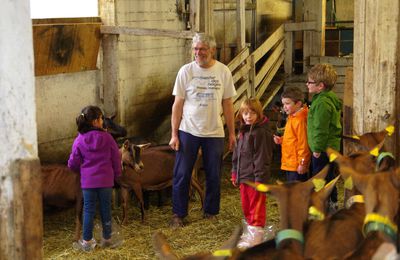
(293, 93)
(86, 117)
(254, 105)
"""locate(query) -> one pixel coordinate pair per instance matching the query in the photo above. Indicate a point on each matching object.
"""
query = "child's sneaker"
(85, 246)
(110, 243)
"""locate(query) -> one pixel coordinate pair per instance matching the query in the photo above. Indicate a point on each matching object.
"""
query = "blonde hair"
(323, 73)
(252, 104)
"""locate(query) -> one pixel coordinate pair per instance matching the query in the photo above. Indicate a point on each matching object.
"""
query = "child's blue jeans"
(90, 197)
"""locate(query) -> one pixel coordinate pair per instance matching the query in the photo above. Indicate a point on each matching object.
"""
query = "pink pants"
(253, 205)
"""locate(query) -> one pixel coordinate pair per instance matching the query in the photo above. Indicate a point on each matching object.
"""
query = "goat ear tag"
(348, 183)
(318, 184)
(332, 157)
(390, 130)
(262, 187)
(374, 152)
(355, 137)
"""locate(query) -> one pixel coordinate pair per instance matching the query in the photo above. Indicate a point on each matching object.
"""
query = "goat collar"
(376, 222)
(380, 158)
(289, 234)
(354, 199)
(315, 214)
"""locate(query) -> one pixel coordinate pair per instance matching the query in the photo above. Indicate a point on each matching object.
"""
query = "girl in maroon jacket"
(251, 161)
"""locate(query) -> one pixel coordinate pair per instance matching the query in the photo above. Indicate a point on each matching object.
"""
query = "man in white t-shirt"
(203, 91)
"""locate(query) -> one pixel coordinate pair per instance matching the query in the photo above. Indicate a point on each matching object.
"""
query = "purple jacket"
(96, 156)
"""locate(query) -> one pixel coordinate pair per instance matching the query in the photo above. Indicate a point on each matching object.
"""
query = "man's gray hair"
(204, 38)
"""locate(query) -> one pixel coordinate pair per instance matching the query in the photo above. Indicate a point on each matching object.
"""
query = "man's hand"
(174, 143)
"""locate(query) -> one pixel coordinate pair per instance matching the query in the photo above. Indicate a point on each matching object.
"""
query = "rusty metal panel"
(65, 45)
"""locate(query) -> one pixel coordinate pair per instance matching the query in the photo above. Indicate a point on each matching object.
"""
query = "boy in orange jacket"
(295, 151)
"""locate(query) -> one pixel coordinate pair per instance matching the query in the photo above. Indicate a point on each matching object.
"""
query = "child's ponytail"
(85, 118)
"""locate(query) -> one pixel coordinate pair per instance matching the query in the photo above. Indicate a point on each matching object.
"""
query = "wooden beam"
(146, 32)
(269, 43)
(302, 26)
(288, 64)
(240, 25)
(263, 86)
(277, 53)
(240, 57)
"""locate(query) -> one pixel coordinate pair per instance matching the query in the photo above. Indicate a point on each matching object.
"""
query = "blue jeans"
(212, 149)
(90, 197)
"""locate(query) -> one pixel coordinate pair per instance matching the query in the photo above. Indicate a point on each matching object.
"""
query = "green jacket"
(324, 128)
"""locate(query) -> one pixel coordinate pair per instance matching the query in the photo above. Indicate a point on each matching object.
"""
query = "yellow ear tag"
(262, 187)
(222, 252)
(355, 137)
(332, 157)
(374, 152)
(348, 183)
(390, 130)
(318, 184)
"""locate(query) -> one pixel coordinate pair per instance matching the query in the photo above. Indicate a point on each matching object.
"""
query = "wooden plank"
(359, 64)
(288, 65)
(241, 89)
(146, 32)
(269, 43)
(278, 51)
(240, 57)
(261, 89)
(65, 48)
(348, 103)
(334, 61)
(272, 94)
(243, 71)
(301, 26)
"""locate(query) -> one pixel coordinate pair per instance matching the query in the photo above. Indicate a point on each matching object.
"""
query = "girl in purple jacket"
(96, 157)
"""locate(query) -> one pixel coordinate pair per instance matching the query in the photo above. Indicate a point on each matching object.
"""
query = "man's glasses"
(310, 82)
(201, 49)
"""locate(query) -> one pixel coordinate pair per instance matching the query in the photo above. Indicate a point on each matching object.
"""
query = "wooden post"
(240, 25)
(209, 13)
(314, 41)
(376, 61)
(288, 64)
(252, 74)
(21, 225)
(110, 62)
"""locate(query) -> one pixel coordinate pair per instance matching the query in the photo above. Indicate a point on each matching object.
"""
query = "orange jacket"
(294, 142)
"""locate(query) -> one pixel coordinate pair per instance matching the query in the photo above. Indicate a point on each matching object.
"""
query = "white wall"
(59, 99)
(148, 65)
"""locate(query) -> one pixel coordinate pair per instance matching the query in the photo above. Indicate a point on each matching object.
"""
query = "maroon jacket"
(252, 155)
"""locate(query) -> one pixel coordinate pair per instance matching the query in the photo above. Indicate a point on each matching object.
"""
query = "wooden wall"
(376, 62)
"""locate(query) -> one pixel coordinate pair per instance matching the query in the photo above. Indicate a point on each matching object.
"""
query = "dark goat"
(113, 128)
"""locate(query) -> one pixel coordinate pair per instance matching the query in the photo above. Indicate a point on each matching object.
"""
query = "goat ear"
(162, 247)
(357, 179)
(143, 146)
(126, 144)
(318, 181)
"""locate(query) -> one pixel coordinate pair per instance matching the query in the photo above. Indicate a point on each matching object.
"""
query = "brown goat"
(381, 193)
(293, 204)
(156, 174)
(62, 189)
